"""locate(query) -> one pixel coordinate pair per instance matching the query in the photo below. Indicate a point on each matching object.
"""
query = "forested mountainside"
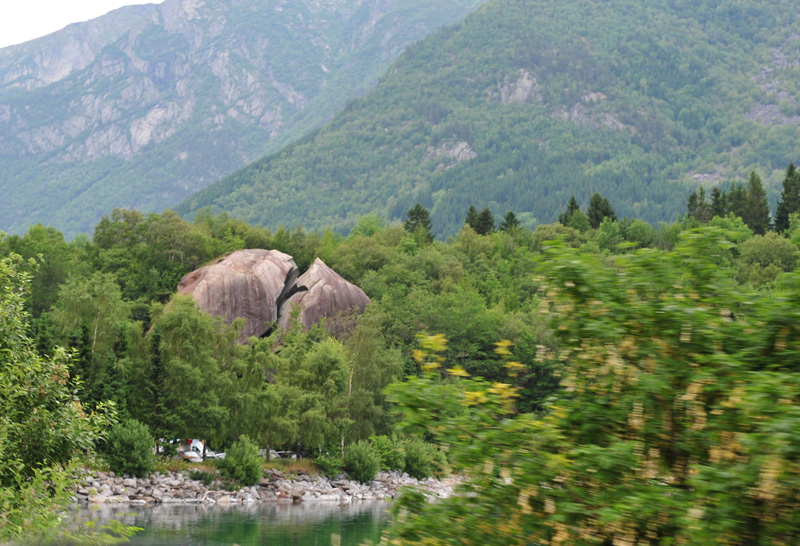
(144, 106)
(529, 101)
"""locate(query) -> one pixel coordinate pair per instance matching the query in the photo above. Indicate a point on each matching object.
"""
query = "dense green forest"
(617, 363)
(530, 101)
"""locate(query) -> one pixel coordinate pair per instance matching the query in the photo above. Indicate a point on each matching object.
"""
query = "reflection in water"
(320, 524)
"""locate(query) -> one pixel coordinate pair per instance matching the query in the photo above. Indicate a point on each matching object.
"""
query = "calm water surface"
(258, 524)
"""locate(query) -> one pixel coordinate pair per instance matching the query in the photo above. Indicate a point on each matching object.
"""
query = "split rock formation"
(262, 287)
(251, 284)
(323, 293)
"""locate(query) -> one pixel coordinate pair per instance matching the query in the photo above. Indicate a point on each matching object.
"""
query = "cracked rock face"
(323, 293)
(262, 287)
(251, 284)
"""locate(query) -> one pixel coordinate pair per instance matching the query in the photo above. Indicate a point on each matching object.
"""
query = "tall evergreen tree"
(419, 219)
(737, 200)
(82, 372)
(485, 224)
(599, 208)
(509, 222)
(757, 211)
(159, 417)
(790, 198)
(572, 207)
(697, 206)
(719, 203)
(472, 217)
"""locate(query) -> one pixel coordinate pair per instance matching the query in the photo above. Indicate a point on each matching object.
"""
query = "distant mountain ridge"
(51, 58)
(529, 101)
(148, 104)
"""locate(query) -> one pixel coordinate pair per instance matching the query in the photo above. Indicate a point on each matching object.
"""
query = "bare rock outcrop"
(247, 283)
(323, 293)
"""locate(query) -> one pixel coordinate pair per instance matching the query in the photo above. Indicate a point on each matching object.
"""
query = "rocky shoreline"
(178, 488)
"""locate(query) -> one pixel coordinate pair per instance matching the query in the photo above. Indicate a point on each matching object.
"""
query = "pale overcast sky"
(23, 20)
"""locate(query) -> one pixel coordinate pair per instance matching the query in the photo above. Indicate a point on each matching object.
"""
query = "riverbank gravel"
(98, 487)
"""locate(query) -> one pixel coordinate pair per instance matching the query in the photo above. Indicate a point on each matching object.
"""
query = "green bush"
(205, 476)
(441, 467)
(330, 466)
(130, 448)
(390, 452)
(361, 461)
(420, 461)
(242, 464)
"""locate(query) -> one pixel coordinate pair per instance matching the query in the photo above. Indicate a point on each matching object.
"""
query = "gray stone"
(118, 499)
(323, 293)
(250, 284)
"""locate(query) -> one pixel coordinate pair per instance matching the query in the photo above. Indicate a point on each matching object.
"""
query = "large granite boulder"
(247, 283)
(323, 293)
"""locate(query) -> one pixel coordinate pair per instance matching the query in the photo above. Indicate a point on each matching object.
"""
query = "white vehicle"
(192, 451)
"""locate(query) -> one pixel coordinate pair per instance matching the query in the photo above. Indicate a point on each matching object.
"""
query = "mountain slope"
(51, 58)
(529, 101)
(158, 101)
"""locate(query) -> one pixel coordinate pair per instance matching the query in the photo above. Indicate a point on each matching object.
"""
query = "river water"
(320, 524)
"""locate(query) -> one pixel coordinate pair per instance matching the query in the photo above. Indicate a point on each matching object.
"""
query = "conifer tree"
(472, 217)
(419, 219)
(157, 388)
(697, 206)
(757, 211)
(790, 199)
(509, 222)
(719, 203)
(81, 367)
(599, 208)
(572, 207)
(737, 200)
(485, 224)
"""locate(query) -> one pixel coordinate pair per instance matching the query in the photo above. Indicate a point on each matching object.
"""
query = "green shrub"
(205, 476)
(420, 458)
(330, 466)
(130, 448)
(242, 464)
(390, 452)
(361, 461)
(441, 467)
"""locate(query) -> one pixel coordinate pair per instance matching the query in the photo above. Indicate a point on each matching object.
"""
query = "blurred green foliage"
(675, 426)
